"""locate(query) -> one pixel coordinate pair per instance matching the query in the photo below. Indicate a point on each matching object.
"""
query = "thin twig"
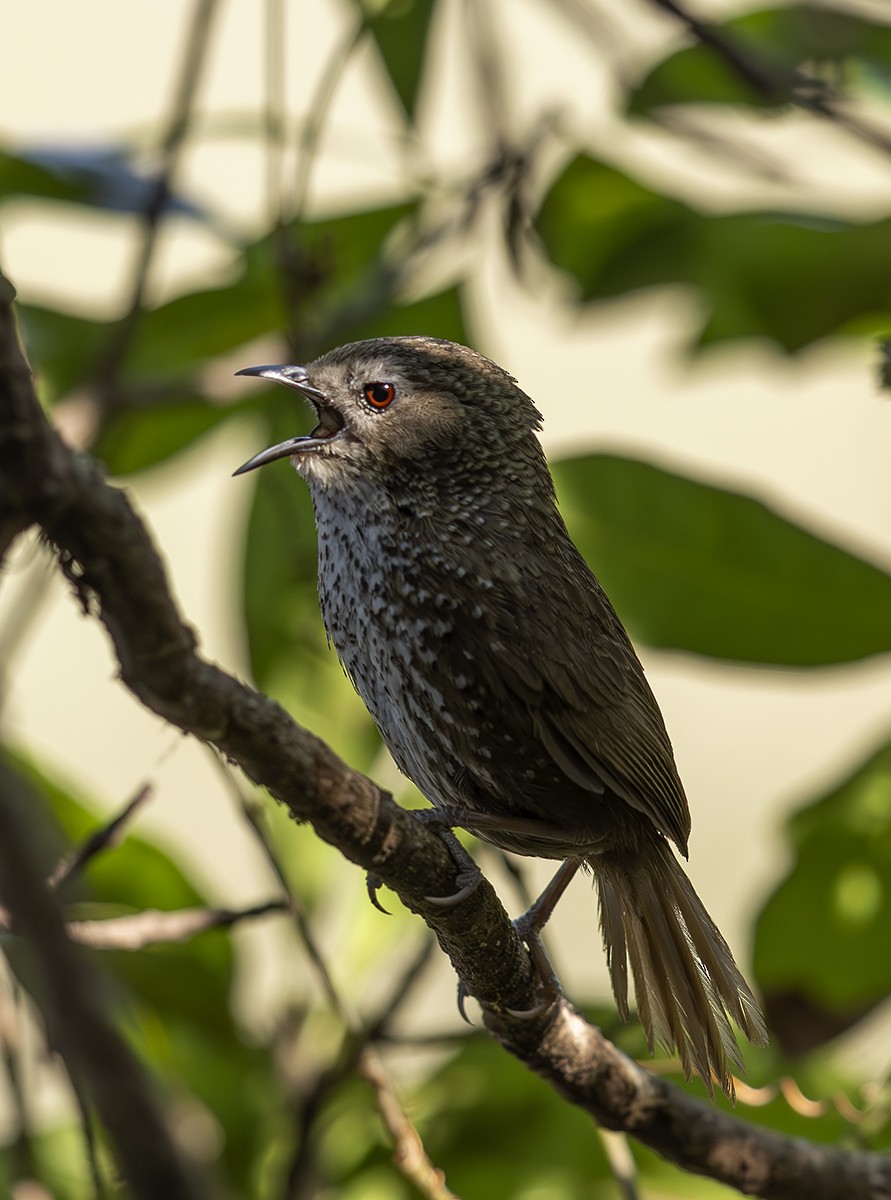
(358, 1039)
(179, 123)
(275, 43)
(484, 46)
(23, 612)
(330, 78)
(105, 838)
(621, 1161)
(253, 816)
(152, 927)
(302, 1175)
(409, 1154)
(297, 282)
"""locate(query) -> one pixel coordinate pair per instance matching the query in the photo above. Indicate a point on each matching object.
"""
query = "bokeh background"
(683, 252)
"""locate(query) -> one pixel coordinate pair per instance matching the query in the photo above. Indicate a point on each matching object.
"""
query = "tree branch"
(115, 567)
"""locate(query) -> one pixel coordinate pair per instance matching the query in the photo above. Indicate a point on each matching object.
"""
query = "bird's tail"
(686, 982)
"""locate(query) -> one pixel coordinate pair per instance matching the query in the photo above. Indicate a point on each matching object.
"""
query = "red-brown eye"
(379, 395)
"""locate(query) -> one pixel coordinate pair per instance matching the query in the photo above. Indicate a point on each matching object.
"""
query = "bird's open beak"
(330, 423)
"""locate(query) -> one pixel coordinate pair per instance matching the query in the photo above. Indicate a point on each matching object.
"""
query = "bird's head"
(394, 404)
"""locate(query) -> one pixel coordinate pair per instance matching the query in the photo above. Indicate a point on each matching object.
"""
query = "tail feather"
(686, 982)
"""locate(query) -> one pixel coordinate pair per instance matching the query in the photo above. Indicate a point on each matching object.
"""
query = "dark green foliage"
(837, 899)
(700, 568)
(400, 28)
(790, 278)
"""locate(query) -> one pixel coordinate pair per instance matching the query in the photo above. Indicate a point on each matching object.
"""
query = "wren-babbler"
(494, 665)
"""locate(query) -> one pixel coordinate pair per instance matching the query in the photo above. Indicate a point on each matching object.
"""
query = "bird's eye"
(379, 395)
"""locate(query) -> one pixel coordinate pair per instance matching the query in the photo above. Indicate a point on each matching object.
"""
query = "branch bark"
(109, 555)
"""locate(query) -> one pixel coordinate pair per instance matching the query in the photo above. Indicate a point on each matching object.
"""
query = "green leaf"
(176, 338)
(776, 43)
(175, 999)
(399, 29)
(694, 567)
(611, 234)
(439, 315)
(62, 346)
(132, 877)
(135, 439)
(792, 278)
(330, 264)
(821, 940)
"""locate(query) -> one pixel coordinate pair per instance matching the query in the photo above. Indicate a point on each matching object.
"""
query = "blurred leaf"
(177, 1005)
(778, 42)
(399, 28)
(135, 439)
(329, 263)
(439, 315)
(694, 567)
(175, 338)
(62, 347)
(132, 877)
(791, 278)
(99, 176)
(612, 234)
(821, 940)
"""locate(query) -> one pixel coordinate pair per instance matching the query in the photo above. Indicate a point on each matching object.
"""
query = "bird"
(497, 671)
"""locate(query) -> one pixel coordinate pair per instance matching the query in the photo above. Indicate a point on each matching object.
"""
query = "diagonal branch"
(111, 558)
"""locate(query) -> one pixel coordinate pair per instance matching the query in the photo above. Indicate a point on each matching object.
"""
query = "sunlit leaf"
(821, 940)
(694, 567)
(789, 277)
(174, 998)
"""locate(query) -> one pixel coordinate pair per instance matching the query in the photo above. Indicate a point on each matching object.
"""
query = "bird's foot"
(529, 927)
(468, 877)
(548, 983)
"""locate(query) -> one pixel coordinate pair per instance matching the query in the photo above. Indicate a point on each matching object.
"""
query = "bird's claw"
(468, 880)
(529, 1014)
(469, 875)
(463, 993)
(373, 886)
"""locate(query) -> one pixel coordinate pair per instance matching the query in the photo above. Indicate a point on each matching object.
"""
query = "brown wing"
(585, 690)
